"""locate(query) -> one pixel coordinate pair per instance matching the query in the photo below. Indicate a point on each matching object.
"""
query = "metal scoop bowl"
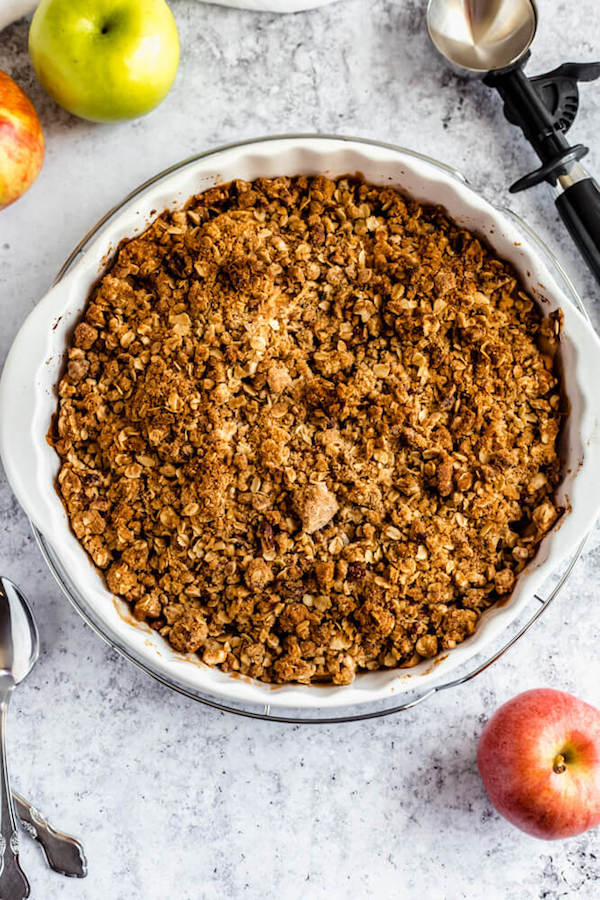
(480, 35)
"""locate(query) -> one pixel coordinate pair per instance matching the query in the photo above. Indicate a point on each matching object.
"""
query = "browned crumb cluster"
(309, 428)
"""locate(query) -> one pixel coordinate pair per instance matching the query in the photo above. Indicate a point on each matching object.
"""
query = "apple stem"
(559, 765)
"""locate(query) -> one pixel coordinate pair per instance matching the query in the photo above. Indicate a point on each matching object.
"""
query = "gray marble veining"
(174, 801)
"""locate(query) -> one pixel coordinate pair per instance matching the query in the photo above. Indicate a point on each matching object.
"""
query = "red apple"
(21, 142)
(539, 758)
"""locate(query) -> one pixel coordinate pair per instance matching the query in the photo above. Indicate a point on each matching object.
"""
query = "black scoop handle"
(579, 208)
(544, 108)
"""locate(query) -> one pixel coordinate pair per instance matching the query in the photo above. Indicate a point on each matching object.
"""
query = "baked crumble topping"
(309, 428)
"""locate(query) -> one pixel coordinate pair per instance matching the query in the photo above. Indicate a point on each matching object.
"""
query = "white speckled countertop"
(172, 799)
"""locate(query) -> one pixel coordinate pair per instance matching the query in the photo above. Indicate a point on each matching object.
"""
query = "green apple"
(105, 60)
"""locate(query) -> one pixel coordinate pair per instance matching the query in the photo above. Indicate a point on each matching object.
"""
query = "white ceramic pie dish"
(33, 366)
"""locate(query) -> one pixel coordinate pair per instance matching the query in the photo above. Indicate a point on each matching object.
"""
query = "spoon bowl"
(19, 639)
(481, 35)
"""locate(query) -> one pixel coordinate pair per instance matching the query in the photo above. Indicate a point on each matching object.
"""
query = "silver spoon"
(19, 648)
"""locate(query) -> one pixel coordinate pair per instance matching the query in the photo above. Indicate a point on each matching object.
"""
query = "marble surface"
(174, 800)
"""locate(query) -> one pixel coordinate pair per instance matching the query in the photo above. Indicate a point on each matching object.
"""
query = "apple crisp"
(308, 428)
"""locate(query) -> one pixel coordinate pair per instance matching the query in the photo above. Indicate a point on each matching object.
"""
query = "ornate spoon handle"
(63, 853)
(13, 883)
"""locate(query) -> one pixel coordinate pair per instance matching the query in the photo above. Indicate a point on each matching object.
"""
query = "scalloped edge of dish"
(27, 399)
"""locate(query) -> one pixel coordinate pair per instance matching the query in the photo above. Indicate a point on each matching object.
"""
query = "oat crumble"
(309, 428)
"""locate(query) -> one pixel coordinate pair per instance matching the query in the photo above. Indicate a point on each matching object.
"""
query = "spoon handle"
(63, 852)
(13, 883)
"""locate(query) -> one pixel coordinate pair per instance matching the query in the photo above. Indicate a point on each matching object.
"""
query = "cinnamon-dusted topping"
(309, 428)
